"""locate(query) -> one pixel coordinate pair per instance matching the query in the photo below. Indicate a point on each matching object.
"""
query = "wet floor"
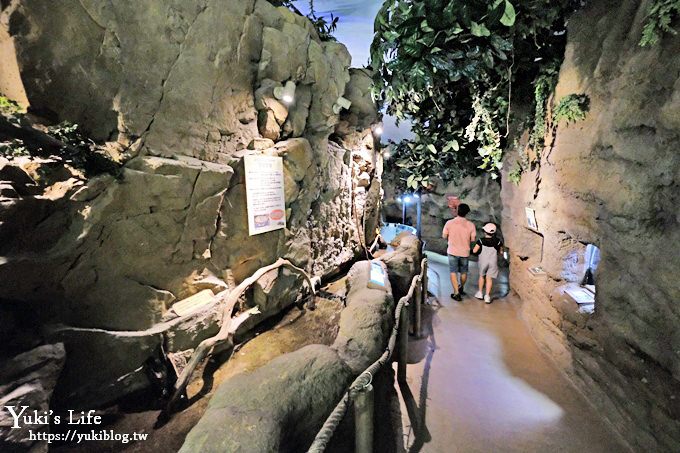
(481, 384)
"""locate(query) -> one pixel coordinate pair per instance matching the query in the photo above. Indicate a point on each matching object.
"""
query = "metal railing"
(360, 392)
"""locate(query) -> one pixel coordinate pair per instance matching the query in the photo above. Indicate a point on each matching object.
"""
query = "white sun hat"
(489, 228)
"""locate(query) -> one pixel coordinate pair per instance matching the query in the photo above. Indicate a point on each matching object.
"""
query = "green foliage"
(69, 134)
(521, 165)
(515, 176)
(10, 110)
(450, 66)
(78, 151)
(659, 18)
(416, 163)
(8, 106)
(325, 28)
(481, 130)
(572, 107)
(544, 84)
(13, 148)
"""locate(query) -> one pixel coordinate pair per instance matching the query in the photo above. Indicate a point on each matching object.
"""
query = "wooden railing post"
(417, 318)
(403, 344)
(423, 293)
(363, 420)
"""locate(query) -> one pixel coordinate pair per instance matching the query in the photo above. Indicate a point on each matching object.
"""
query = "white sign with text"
(264, 193)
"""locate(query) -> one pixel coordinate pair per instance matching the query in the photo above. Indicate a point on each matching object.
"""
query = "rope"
(364, 379)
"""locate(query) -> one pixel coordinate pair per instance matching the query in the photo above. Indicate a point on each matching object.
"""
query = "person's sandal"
(456, 297)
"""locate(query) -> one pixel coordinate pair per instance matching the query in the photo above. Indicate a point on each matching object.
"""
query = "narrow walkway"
(482, 385)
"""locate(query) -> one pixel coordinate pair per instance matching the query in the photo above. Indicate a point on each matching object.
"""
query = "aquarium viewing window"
(584, 292)
(591, 259)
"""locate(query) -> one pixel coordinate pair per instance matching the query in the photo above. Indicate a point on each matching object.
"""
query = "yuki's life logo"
(32, 418)
(22, 418)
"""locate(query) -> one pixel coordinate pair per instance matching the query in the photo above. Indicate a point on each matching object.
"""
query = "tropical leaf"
(479, 29)
(508, 18)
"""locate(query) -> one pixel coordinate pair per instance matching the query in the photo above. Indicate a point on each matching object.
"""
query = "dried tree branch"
(228, 328)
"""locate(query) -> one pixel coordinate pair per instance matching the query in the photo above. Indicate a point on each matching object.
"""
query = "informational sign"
(264, 193)
(377, 277)
(453, 201)
(531, 218)
(581, 295)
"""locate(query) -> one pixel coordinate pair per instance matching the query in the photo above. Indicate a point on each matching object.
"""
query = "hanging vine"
(450, 68)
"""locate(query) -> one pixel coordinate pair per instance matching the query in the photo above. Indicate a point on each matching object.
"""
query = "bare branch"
(228, 327)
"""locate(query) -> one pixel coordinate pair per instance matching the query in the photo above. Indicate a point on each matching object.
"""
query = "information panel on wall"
(264, 193)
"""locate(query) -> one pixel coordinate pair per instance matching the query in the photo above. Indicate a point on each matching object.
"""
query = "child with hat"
(488, 249)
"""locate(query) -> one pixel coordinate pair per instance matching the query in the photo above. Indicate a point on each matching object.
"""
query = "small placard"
(193, 303)
(531, 218)
(377, 277)
(581, 295)
(453, 202)
(537, 271)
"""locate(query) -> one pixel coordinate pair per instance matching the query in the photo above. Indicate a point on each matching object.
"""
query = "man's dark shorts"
(458, 264)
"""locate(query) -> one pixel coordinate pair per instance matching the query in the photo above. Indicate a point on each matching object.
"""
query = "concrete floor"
(480, 383)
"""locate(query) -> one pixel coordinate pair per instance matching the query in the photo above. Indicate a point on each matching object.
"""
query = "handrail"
(364, 380)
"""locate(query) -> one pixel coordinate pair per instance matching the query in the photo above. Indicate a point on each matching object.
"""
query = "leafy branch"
(659, 18)
(325, 28)
(571, 108)
(450, 67)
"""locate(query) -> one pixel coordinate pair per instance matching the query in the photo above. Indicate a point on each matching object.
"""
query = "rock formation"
(612, 181)
(180, 91)
(282, 405)
(28, 379)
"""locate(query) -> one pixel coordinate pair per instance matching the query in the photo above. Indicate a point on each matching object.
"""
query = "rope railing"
(360, 391)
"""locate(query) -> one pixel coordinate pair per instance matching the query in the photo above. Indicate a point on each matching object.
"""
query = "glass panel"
(592, 257)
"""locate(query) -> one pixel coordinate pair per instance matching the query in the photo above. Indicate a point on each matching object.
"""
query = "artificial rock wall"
(611, 180)
(181, 90)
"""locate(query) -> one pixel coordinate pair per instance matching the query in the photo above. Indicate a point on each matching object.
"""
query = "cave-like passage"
(481, 384)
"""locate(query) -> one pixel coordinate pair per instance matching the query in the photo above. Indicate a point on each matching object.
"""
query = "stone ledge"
(300, 389)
